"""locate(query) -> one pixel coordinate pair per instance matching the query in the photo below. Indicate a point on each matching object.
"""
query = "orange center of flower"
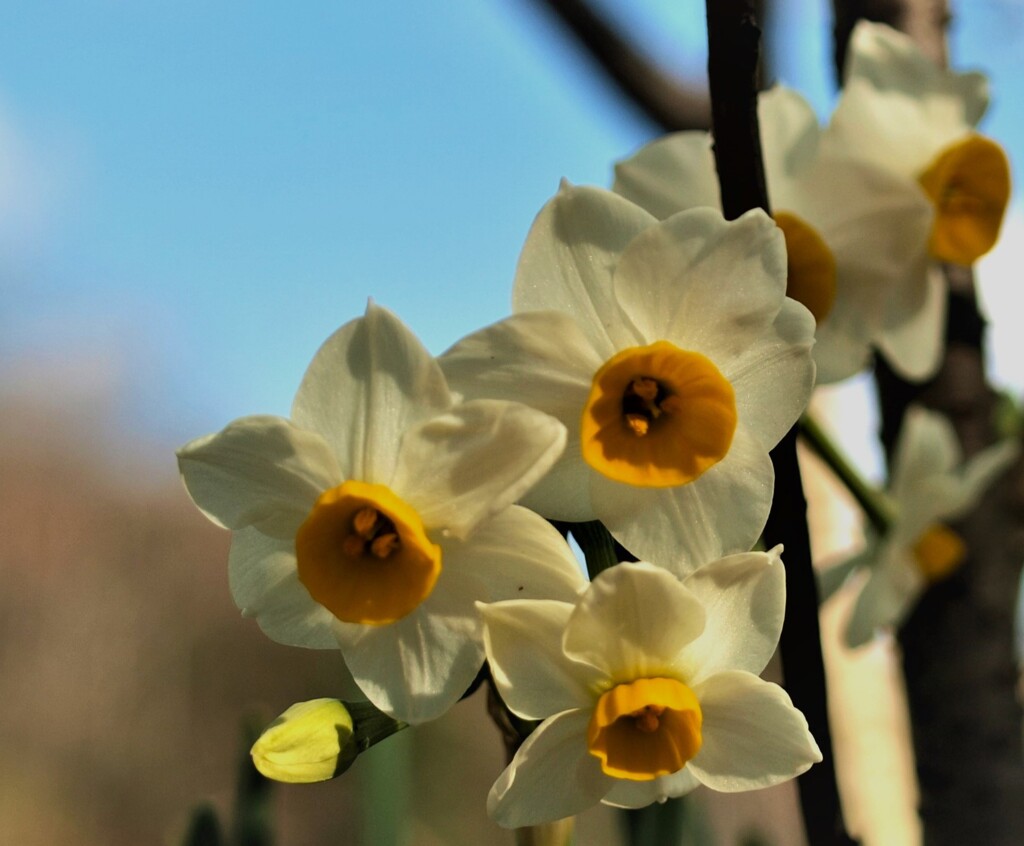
(969, 184)
(645, 729)
(938, 552)
(657, 416)
(363, 554)
(811, 275)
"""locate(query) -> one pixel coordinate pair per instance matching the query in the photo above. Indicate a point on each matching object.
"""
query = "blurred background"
(193, 196)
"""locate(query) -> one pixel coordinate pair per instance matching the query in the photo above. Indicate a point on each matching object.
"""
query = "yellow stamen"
(364, 554)
(969, 184)
(638, 423)
(811, 275)
(939, 552)
(365, 522)
(646, 389)
(383, 545)
(657, 416)
(645, 729)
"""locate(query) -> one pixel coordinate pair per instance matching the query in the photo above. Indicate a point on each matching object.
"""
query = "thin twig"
(668, 101)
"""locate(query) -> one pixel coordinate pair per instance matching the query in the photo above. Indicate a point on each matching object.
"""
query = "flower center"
(645, 729)
(657, 416)
(364, 555)
(938, 552)
(811, 275)
(969, 184)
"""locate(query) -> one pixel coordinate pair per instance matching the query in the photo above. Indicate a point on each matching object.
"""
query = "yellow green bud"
(311, 741)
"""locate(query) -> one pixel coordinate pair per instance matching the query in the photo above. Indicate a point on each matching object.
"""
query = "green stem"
(870, 500)
(558, 833)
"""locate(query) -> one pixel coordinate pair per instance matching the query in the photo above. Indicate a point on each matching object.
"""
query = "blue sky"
(194, 195)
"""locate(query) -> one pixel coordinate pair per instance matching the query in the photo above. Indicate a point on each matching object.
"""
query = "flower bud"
(311, 741)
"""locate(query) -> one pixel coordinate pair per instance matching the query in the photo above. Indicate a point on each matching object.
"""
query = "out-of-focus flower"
(673, 357)
(377, 516)
(900, 112)
(311, 741)
(931, 486)
(855, 234)
(647, 687)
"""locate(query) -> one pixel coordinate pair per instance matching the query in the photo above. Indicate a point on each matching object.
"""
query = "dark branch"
(666, 100)
(733, 47)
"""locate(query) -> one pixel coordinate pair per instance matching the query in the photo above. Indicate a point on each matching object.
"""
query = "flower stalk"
(872, 503)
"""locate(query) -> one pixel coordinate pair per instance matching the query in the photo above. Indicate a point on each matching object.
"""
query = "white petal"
(256, 468)
(568, 259)
(789, 137)
(632, 622)
(875, 286)
(753, 736)
(474, 461)
(887, 597)
(540, 358)
(704, 283)
(564, 493)
(671, 174)
(523, 640)
(773, 377)
(517, 555)
(981, 471)
(927, 447)
(889, 59)
(368, 383)
(914, 346)
(552, 776)
(265, 585)
(418, 667)
(898, 109)
(640, 794)
(842, 347)
(744, 597)
(543, 360)
(834, 577)
(681, 528)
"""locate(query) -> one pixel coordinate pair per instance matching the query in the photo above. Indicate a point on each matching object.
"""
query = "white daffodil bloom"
(647, 687)
(375, 518)
(931, 485)
(673, 357)
(900, 112)
(855, 234)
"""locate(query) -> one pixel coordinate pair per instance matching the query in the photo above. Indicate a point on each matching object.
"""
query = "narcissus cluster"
(655, 354)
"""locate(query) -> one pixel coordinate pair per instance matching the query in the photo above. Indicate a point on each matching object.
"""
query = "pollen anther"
(657, 416)
(646, 728)
(364, 554)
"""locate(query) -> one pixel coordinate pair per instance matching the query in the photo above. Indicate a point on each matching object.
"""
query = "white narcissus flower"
(856, 236)
(931, 485)
(375, 518)
(647, 687)
(900, 112)
(673, 357)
